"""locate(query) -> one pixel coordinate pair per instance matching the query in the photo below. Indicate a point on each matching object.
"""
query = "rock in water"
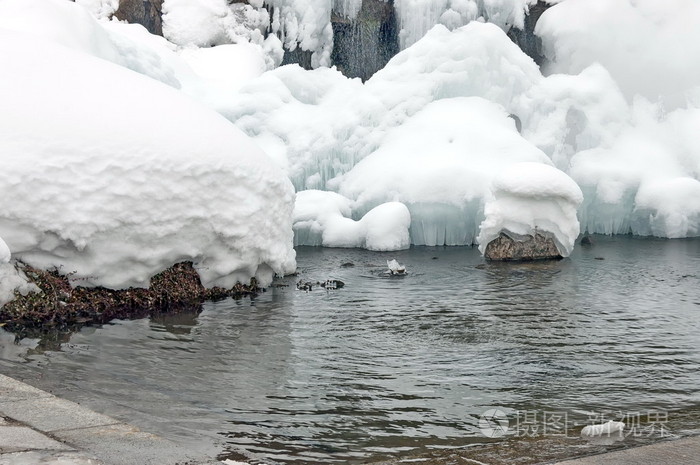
(507, 248)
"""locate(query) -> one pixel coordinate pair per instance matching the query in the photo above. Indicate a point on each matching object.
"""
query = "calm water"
(397, 365)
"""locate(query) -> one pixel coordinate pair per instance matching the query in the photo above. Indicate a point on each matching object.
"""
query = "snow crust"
(119, 185)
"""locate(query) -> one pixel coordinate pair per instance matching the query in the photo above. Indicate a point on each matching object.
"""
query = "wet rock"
(364, 45)
(327, 284)
(510, 247)
(347, 265)
(525, 38)
(305, 286)
(333, 284)
(586, 240)
(144, 12)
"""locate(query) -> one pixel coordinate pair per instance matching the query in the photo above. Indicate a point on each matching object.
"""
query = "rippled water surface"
(395, 365)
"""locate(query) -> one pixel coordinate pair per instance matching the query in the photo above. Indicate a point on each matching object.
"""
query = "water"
(391, 365)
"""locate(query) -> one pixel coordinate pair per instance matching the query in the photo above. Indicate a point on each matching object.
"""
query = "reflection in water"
(390, 365)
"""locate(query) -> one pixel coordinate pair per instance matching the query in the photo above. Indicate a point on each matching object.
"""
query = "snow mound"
(323, 218)
(530, 198)
(226, 66)
(116, 176)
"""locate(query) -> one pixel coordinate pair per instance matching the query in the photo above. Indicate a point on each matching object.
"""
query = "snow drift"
(116, 176)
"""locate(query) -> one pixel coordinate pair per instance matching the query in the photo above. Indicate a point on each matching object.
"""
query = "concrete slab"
(43, 458)
(51, 414)
(21, 438)
(12, 390)
(679, 452)
(123, 444)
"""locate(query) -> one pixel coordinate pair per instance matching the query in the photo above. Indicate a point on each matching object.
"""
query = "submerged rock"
(522, 248)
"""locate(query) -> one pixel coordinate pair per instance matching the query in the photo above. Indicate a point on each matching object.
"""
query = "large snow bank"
(323, 218)
(431, 130)
(530, 198)
(116, 176)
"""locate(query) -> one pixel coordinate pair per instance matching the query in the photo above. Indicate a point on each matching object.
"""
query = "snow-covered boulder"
(531, 200)
(116, 176)
(324, 218)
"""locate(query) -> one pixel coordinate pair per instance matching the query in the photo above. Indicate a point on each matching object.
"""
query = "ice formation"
(419, 154)
(533, 197)
(417, 17)
(116, 176)
(323, 218)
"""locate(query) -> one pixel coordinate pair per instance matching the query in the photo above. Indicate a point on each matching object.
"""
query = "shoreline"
(60, 306)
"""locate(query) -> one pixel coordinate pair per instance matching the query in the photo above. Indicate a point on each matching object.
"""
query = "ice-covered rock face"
(530, 199)
(116, 176)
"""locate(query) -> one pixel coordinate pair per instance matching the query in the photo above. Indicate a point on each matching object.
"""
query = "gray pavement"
(38, 428)
(678, 452)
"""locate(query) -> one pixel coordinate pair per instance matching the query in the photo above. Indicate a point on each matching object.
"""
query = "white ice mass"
(114, 162)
